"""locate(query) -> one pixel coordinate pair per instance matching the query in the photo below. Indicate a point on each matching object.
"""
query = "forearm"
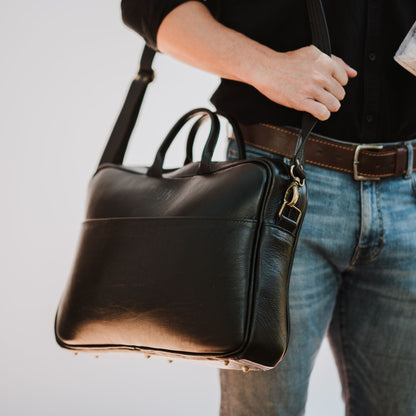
(305, 79)
(191, 34)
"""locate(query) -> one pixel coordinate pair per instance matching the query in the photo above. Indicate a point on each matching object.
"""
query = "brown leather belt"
(364, 161)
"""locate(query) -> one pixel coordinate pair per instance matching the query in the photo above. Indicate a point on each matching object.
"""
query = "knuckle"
(313, 50)
(294, 100)
(327, 61)
(308, 89)
(318, 78)
(312, 91)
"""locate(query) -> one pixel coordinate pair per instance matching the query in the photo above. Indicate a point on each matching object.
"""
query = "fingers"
(317, 109)
(331, 90)
(336, 89)
(320, 104)
(307, 80)
(339, 73)
(342, 71)
(331, 85)
(351, 72)
(327, 99)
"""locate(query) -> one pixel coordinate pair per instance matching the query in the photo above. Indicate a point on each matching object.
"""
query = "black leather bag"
(191, 262)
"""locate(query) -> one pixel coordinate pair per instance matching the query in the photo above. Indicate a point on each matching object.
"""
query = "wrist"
(258, 63)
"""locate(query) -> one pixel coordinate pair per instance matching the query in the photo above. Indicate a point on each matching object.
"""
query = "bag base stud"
(226, 362)
(245, 369)
(147, 356)
(170, 361)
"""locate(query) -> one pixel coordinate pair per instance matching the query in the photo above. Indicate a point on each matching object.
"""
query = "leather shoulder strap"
(117, 143)
(320, 38)
(120, 136)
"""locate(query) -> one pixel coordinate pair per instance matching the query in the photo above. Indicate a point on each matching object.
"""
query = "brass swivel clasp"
(291, 197)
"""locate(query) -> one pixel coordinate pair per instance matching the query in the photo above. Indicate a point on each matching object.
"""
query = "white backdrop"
(65, 69)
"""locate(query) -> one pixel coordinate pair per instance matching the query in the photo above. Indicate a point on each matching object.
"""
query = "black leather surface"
(120, 193)
(185, 264)
(172, 302)
(191, 262)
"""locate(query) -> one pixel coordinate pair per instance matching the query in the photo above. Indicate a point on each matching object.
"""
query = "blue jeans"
(354, 280)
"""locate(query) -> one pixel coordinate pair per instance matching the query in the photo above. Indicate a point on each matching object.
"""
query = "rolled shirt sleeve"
(145, 16)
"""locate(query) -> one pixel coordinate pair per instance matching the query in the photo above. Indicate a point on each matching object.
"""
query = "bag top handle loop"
(191, 139)
(156, 169)
(205, 166)
(207, 156)
(117, 143)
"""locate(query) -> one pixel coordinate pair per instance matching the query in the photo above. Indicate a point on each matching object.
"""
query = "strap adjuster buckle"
(145, 75)
(358, 149)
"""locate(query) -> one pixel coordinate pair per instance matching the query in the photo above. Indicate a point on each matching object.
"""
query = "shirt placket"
(371, 97)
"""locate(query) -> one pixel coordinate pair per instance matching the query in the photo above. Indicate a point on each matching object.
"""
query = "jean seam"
(344, 353)
(381, 238)
(375, 249)
(413, 179)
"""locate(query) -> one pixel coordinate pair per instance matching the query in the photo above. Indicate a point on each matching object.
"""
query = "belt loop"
(409, 160)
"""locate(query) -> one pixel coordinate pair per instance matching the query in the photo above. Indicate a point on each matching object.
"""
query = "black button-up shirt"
(380, 103)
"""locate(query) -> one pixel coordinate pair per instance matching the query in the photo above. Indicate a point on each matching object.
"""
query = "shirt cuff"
(145, 16)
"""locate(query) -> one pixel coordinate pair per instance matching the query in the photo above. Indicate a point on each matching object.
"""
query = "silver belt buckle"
(356, 162)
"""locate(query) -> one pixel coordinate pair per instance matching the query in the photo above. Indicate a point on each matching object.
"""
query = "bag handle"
(156, 169)
(241, 150)
(117, 143)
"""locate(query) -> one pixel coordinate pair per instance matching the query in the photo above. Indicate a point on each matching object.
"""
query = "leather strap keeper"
(365, 161)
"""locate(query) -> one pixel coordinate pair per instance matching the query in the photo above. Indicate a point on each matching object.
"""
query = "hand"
(305, 79)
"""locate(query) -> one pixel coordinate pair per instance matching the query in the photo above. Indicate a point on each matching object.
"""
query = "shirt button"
(369, 118)
(372, 56)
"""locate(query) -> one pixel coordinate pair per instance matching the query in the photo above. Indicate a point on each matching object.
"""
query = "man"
(354, 274)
